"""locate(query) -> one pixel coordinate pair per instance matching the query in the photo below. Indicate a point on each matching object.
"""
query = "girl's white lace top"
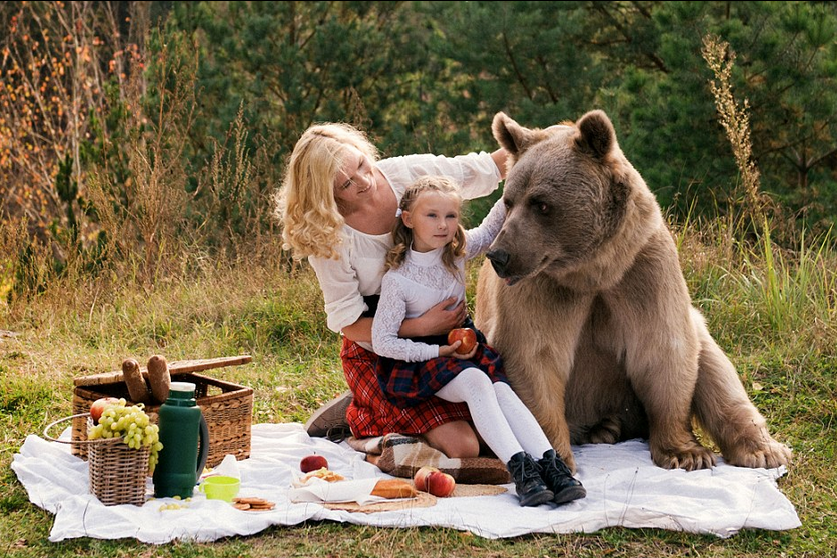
(420, 283)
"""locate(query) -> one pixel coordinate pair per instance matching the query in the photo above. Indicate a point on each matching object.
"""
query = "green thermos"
(185, 439)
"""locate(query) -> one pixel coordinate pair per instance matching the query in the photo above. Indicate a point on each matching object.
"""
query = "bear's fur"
(591, 311)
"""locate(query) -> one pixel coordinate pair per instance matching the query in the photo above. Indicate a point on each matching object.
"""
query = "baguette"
(137, 389)
(159, 378)
(394, 488)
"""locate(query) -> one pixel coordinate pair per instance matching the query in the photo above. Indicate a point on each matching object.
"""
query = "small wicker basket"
(117, 473)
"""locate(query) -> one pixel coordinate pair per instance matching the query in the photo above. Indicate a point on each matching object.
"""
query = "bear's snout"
(499, 260)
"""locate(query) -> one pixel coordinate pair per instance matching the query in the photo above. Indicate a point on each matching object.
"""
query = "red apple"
(440, 484)
(466, 335)
(98, 407)
(312, 463)
(421, 475)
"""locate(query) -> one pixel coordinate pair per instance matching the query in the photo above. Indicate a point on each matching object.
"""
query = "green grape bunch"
(133, 425)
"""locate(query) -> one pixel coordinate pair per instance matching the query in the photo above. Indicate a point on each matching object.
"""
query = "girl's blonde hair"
(403, 236)
(305, 205)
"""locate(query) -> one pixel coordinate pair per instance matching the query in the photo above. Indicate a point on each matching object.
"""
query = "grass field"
(773, 311)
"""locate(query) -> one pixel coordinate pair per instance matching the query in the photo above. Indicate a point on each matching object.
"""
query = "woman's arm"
(360, 331)
(340, 286)
(500, 157)
(437, 321)
(389, 315)
(478, 174)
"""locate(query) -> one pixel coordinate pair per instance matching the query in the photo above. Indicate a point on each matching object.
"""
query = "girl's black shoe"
(559, 479)
(527, 480)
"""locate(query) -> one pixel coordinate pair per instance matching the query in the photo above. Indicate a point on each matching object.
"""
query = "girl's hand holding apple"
(468, 337)
(453, 351)
(462, 343)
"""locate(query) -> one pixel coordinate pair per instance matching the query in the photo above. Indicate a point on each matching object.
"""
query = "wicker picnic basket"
(227, 407)
(117, 473)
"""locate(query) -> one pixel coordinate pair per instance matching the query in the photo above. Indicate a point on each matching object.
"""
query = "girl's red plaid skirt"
(371, 414)
(407, 384)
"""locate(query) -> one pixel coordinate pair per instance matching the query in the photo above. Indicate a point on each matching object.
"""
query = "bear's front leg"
(725, 411)
(656, 338)
(663, 374)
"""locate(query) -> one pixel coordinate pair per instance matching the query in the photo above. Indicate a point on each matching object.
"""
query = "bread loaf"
(159, 378)
(137, 388)
(394, 488)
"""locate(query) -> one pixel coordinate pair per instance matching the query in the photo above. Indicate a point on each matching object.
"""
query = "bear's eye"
(540, 206)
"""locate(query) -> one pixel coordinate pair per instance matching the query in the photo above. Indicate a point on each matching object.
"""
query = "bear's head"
(569, 193)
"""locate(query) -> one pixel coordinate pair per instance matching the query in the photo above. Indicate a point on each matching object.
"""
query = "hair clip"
(398, 212)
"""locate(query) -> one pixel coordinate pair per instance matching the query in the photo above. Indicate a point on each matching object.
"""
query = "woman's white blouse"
(359, 268)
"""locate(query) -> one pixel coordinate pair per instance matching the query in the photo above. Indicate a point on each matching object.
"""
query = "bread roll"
(394, 488)
(159, 378)
(325, 474)
(137, 388)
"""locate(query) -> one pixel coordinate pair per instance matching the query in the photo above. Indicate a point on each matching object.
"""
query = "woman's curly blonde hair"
(403, 236)
(305, 205)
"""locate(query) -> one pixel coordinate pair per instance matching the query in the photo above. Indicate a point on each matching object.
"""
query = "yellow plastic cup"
(220, 488)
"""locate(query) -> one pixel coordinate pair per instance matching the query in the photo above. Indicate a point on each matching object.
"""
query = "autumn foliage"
(59, 61)
(56, 61)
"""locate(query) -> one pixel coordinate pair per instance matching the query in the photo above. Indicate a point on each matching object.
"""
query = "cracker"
(253, 503)
(250, 501)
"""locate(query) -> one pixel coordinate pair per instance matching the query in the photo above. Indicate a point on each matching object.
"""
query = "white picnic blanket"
(624, 488)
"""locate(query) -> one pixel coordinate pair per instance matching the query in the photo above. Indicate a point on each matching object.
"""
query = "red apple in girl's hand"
(312, 463)
(421, 477)
(98, 407)
(466, 335)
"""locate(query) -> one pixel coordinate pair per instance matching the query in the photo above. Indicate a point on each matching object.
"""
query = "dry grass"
(735, 120)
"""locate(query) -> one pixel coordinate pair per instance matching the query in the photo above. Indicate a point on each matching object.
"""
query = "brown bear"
(583, 295)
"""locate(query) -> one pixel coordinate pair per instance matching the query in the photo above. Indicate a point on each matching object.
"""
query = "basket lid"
(176, 367)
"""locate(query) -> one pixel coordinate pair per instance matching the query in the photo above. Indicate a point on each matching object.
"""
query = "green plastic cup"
(220, 487)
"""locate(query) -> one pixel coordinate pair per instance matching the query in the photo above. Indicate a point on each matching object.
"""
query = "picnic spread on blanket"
(239, 478)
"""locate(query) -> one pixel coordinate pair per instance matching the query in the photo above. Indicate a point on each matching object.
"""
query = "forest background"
(141, 144)
(139, 128)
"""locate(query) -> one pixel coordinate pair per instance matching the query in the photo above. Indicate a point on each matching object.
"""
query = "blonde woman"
(337, 205)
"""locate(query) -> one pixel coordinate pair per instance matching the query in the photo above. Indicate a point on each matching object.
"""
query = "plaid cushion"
(403, 456)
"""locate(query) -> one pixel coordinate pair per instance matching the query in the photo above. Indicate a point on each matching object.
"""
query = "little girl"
(427, 266)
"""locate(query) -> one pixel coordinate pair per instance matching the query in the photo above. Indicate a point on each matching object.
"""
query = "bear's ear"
(511, 135)
(597, 136)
